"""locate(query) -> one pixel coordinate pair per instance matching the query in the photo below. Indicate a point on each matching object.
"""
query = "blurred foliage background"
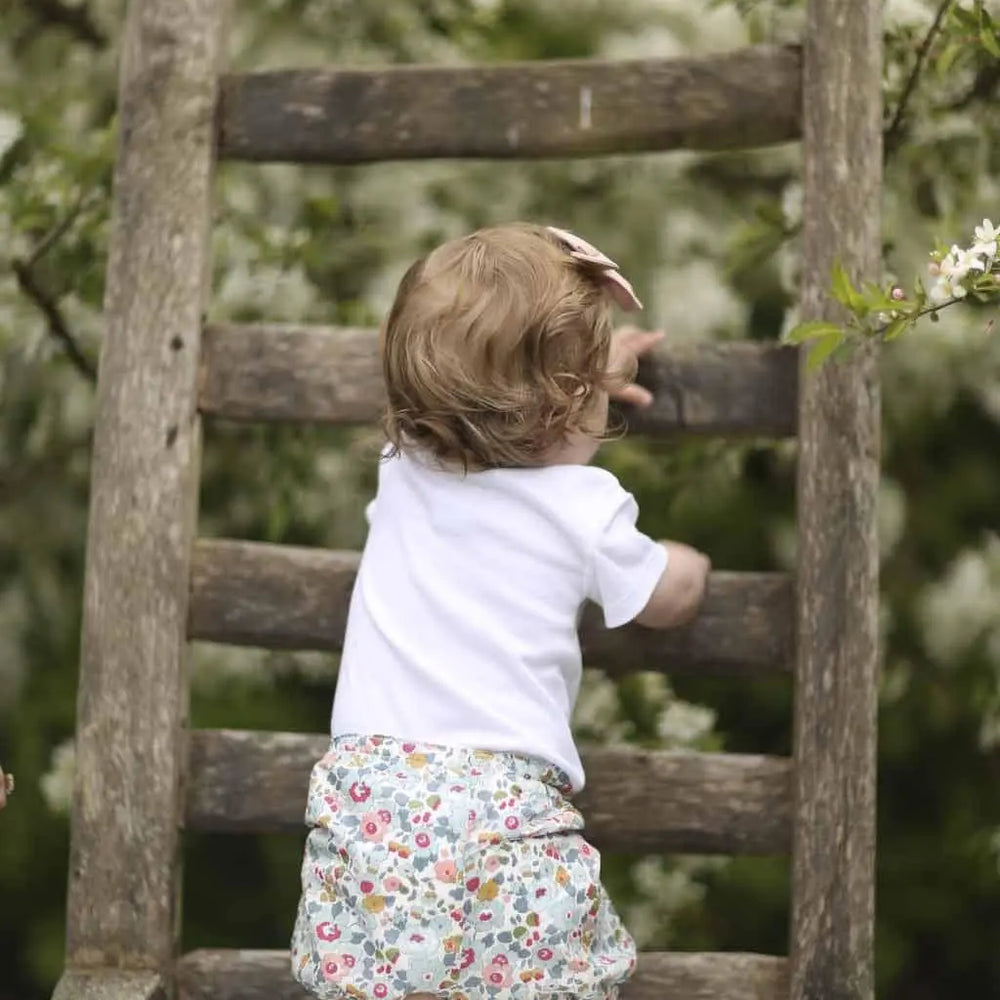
(710, 244)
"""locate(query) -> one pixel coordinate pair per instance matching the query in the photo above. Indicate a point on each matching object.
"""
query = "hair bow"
(616, 284)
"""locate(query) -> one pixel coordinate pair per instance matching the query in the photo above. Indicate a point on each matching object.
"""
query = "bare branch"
(49, 307)
(45, 244)
(892, 133)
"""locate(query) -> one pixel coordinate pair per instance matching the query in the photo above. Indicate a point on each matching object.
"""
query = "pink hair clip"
(618, 286)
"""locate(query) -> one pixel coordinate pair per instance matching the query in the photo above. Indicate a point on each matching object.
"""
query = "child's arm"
(681, 588)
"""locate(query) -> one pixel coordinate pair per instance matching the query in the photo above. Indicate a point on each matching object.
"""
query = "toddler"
(445, 858)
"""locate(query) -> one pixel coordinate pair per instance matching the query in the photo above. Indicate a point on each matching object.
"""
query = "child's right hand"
(681, 589)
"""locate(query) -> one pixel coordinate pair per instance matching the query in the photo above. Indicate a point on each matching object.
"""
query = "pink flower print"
(456, 915)
(422, 840)
(409, 747)
(391, 884)
(586, 850)
(360, 792)
(539, 893)
(332, 803)
(327, 933)
(372, 827)
(380, 990)
(551, 851)
(492, 863)
(498, 973)
(485, 916)
(385, 816)
(468, 957)
(417, 938)
(545, 954)
(348, 960)
(333, 968)
(579, 965)
(511, 822)
(472, 885)
(446, 870)
(367, 887)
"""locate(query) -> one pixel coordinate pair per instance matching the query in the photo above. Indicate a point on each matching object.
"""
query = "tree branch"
(892, 133)
(77, 20)
(49, 307)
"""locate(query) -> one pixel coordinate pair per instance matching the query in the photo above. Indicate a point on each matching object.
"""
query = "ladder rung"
(528, 110)
(332, 375)
(636, 801)
(265, 975)
(290, 597)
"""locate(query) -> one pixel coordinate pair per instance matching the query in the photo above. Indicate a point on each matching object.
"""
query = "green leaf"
(845, 292)
(948, 56)
(823, 348)
(965, 18)
(842, 289)
(812, 330)
(876, 299)
(989, 39)
(895, 328)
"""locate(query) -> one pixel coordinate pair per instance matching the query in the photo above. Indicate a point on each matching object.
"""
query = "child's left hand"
(627, 344)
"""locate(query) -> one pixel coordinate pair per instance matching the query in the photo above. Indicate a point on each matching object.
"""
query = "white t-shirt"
(463, 622)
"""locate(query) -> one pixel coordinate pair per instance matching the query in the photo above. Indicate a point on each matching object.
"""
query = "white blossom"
(11, 129)
(57, 783)
(963, 607)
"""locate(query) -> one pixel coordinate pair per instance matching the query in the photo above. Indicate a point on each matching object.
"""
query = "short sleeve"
(625, 565)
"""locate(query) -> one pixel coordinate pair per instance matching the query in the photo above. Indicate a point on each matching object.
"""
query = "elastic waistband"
(391, 753)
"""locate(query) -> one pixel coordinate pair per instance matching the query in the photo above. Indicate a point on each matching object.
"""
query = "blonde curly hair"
(496, 349)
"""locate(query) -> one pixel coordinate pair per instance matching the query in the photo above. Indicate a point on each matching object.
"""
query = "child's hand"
(627, 344)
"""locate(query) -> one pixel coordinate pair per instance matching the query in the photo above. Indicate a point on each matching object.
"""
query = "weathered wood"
(333, 375)
(836, 674)
(286, 597)
(522, 111)
(109, 984)
(635, 800)
(132, 694)
(266, 975)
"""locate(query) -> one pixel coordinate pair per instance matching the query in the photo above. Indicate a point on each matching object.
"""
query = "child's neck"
(578, 449)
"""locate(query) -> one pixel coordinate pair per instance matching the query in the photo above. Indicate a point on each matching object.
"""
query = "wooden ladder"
(152, 585)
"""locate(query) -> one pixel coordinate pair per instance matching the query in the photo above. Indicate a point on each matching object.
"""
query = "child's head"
(496, 350)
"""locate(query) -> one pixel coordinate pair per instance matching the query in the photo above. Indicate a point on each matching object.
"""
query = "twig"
(77, 20)
(892, 133)
(49, 307)
(46, 243)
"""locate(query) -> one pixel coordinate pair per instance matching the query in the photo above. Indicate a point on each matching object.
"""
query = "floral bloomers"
(456, 872)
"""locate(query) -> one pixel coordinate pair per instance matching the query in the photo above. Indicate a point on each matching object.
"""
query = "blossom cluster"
(885, 312)
(960, 271)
